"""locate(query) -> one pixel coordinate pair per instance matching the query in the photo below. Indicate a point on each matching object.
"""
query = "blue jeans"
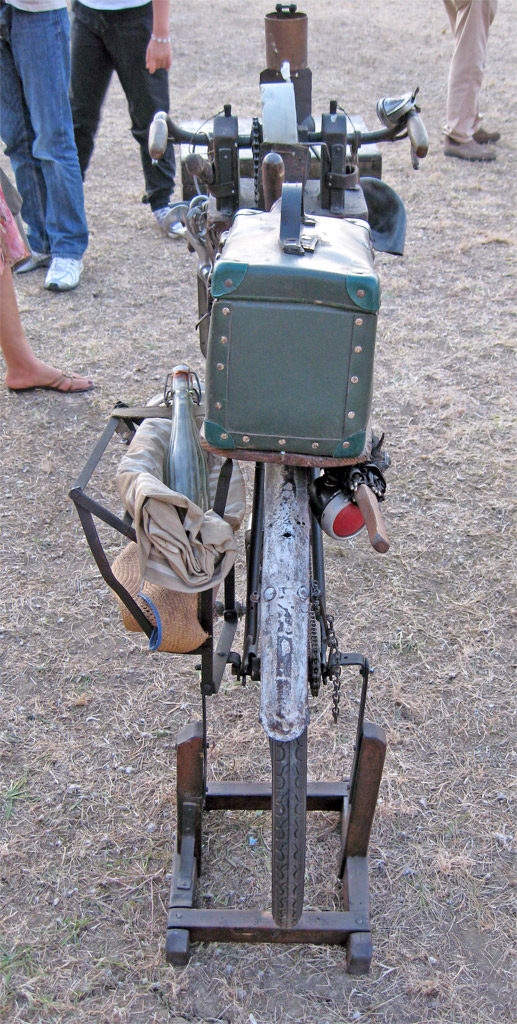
(36, 127)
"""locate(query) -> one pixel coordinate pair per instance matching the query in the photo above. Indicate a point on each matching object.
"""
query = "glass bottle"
(184, 465)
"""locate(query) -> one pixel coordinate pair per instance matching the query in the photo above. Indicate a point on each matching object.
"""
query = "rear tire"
(288, 806)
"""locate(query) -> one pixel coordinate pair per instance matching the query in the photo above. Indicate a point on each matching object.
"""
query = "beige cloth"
(470, 22)
(188, 556)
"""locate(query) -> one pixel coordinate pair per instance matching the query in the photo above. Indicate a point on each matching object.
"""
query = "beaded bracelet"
(158, 40)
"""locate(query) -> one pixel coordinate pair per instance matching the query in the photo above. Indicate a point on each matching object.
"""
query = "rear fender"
(284, 602)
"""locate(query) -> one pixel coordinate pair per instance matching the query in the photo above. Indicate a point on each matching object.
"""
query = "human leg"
(129, 34)
(91, 71)
(470, 21)
(40, 47)
(23, 368)
(18, 136)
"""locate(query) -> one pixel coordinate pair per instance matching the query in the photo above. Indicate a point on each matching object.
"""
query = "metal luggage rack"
(123, 421)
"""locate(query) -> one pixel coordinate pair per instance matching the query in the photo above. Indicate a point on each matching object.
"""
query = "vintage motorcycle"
(283, 216)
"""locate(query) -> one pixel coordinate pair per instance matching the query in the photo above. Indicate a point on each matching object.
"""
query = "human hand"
(158, 55)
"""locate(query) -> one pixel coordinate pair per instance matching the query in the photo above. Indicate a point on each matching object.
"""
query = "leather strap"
(291, 218)
(222, 488)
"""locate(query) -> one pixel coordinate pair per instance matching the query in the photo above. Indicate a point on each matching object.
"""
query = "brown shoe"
(470, 150)
(483, 137)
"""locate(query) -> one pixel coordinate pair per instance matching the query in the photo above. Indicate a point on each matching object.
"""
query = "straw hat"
(173, 615)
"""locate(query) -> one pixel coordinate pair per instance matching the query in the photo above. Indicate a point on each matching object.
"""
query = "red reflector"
(341, 518)
(349, 521)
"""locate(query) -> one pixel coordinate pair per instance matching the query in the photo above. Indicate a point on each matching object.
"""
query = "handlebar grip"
(369, 506)
(418, 134)
(163, 129)
(158, 135)
(273, 176)
(200, 168)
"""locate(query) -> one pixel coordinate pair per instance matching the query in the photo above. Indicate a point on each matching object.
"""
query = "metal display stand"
(355, 802)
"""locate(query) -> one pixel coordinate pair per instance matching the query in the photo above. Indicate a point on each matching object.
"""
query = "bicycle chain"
(333, 667)
(314, 655)
(256, 139)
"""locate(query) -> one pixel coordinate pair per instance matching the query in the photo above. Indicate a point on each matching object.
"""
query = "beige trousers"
(470, 21)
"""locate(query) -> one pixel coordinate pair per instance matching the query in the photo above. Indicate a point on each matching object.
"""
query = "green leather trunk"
(292, 338)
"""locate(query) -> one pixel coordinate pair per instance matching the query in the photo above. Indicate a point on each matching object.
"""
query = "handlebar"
(163, 129)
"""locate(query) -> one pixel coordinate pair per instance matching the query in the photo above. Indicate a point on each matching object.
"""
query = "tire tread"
(289, 805)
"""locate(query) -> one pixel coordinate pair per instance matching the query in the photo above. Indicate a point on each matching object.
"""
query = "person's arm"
(159, 53)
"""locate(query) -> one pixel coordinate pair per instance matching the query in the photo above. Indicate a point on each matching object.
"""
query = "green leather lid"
(336, 268)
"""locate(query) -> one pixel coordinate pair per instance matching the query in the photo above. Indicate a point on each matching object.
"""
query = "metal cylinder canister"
(286, 37)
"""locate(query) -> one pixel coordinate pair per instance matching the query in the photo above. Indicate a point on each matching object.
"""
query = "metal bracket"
(358, 659)
(224, 647)
(353, 659)
(333, 160)
(189, 819)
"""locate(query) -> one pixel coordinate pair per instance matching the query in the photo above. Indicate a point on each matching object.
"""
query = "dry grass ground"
(89, 719)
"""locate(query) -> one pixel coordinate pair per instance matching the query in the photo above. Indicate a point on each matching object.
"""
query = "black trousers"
(108, 41)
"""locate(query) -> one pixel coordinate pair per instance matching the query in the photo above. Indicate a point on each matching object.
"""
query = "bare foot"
(41, 375)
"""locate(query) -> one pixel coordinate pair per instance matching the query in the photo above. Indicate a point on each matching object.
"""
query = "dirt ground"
(89, 717)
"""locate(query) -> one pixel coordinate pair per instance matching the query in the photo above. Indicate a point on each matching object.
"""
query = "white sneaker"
(37, 259)
(64, 273)
(167, 220)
